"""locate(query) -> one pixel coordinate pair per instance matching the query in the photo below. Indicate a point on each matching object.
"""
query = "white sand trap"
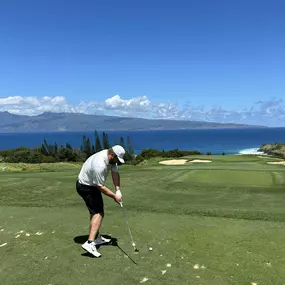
(144, 280)
(168, 265)
(277, 162)
(163, 272)
(183, 161)
(3, 244)
(27, 234)
(200, 160)
(174, 162)
(38, 233)
(17, 236)
(2, 230)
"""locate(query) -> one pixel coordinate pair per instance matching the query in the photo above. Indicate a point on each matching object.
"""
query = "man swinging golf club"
(91, 184)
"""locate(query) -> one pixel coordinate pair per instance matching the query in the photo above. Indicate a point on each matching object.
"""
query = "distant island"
(72, 122)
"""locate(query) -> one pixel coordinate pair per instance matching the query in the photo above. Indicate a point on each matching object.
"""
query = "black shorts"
(92, 197)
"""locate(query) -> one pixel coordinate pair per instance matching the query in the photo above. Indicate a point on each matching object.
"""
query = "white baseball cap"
(120, 152)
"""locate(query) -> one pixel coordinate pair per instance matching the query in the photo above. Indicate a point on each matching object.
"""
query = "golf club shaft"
(127, 222)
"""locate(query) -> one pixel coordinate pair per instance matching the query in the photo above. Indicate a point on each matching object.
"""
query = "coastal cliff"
(277, 149)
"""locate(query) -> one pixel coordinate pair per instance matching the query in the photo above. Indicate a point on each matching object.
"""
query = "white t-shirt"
(95, 169)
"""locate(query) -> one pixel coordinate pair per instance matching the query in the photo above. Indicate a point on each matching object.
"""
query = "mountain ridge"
(59, 122)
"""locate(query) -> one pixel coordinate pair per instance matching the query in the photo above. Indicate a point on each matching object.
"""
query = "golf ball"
(150, 248)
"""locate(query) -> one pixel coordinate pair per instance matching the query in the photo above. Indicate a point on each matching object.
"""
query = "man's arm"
(116, 179)
(105, 190)
(99, 181)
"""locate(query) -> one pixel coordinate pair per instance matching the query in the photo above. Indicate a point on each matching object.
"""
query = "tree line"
(49, 153)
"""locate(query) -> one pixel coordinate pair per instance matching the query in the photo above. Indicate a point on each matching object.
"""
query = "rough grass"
(39, 166)
(215, 224)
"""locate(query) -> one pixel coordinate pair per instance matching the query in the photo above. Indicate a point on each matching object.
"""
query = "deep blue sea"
(216, 141)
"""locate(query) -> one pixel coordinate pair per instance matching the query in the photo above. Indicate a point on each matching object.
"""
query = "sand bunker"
(182, 161)
(277, 162)
(174, 162)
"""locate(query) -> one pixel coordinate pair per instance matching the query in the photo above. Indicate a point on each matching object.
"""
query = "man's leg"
(95, 224)
(86, 192)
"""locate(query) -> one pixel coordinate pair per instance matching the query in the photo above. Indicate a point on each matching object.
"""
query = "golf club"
(132, 240)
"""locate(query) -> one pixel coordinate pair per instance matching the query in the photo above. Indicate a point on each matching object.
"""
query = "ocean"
(216, 141)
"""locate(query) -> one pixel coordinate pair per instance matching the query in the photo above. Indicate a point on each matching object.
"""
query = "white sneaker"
(91, 248)
(101, 240)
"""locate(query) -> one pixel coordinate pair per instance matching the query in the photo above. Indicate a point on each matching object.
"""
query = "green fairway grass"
(240, 178)
(218, 223)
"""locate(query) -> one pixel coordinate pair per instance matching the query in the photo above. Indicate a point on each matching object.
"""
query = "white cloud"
(137, 104)
(271, 112)
(34, 105)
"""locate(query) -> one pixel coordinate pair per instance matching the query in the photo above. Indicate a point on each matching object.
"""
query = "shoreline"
(251, 151)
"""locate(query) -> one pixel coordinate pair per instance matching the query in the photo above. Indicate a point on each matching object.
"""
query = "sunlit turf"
(218, 223)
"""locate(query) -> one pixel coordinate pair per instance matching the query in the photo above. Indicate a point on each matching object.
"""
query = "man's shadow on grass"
(113, 242)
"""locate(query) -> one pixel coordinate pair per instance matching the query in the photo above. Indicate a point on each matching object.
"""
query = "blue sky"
(198, 60)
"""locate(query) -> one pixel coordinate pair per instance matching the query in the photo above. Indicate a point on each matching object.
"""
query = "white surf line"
(3, 244)
(252, 151)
